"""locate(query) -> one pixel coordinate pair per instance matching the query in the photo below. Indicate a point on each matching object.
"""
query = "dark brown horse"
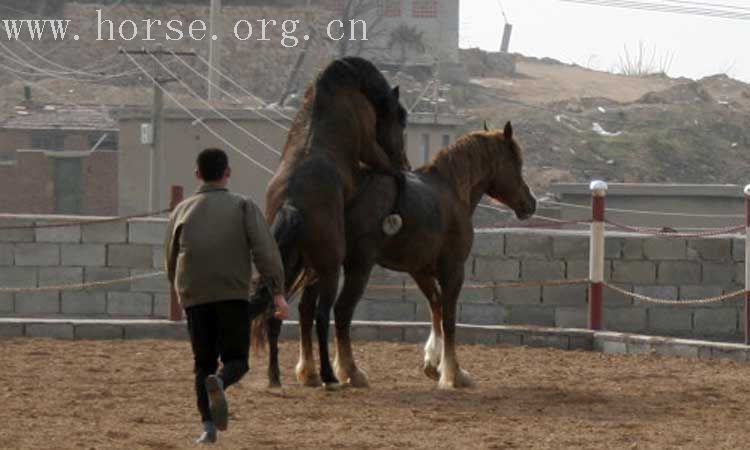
(436, 205)
(350, 116)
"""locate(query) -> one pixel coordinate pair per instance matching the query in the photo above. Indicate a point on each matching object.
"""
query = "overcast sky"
(594, 36)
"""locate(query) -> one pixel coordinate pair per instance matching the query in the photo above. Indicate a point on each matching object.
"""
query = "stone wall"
(675, 268)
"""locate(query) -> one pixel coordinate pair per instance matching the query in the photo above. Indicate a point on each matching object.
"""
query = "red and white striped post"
(747, 264)
(175, 310)
(596, 254)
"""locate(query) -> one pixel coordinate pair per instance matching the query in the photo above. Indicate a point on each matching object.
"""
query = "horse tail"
(286, 230)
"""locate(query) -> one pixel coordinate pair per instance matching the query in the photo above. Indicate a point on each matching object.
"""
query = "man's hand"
(282, 309)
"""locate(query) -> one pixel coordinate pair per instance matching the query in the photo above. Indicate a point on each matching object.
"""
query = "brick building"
(57, 159)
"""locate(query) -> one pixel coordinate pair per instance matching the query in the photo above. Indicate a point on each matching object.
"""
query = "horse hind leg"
(328, 286)
(433, 346)
(305, 369)
(451, 375)
(274, 373)
(344, 365)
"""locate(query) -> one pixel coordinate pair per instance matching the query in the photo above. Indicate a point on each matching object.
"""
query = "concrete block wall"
(37, 257)
(676, 268)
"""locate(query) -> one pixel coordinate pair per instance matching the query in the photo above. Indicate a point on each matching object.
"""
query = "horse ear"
(396, 92)
(486, 127)
(508, 131)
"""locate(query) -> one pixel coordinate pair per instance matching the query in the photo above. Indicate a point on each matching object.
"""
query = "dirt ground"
(138, 395)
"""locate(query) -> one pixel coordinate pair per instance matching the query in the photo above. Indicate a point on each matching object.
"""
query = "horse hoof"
(431, 372)
(392, 224)
(462, 380)
(276, 385)
(358, 379)
(332, 387)
(309, 379)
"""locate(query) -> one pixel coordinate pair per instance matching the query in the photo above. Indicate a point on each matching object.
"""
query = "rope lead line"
(81, 286)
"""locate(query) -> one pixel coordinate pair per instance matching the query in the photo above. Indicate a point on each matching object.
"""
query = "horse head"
(507, 184)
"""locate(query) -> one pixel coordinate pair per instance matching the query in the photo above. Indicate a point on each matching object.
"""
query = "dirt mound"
(689, 92)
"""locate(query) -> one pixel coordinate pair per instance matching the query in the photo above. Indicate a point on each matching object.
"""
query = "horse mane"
(469, 158)
(351, 73)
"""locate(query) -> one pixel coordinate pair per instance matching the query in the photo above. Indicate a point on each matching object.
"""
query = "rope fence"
(81, 286)
(74, 223)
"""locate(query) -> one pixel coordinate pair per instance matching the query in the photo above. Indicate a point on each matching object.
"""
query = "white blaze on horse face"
(433, 350)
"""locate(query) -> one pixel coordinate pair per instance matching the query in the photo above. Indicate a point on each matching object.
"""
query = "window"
(426, 147)
(446, 140)
(391, 8)
(425, 9)
(47, 140)
(108, 143)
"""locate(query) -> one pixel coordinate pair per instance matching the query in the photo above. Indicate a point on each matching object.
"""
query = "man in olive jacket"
(213, 239)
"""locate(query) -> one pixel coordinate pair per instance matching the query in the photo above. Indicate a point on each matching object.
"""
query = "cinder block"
(571, 317)
(633, 271)
(672, 348)
(95, 274)
(657, 292)
(50, 330)
(496, 269)
(614, 298)
(738, 249)
(739, 273)
(626, 319)
(573, 295)
(37, 254)
(474, 336)
(129, 304)
(390, 333)
(6, 254)
(158, 257)
(519, 296)
(17, 234)
(158, 330)
(37, 303)
(18, 277)
(481, 314)
(105, 233)
(393, 293)
(531, 315)
(162, 302)
(710, 249)
(613, 347)
(699, 291)
(678, 272)
(570, 247)
(612, 248)
(715, 321)
(84, 302)
(423, 314)
(6, 303)
(718, 273)
(528, 245)
(365, 333)
(632, 248)
(157, 284)
(98, 331)
(488, 244)
(670, 320)
(411, 294)
(83, 255)
(416, 335)
(134, 256)
(58, 234)
(660, 249)
(532, 269)
(476, 295)
(147, 231)
(398, 311)
(509, 337)
(11, 329)
(56, 276)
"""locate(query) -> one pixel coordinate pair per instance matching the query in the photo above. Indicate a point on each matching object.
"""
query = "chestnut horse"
(437, 205)
(350, 116)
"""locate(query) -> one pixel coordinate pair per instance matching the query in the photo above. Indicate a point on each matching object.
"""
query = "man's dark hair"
(212, 162)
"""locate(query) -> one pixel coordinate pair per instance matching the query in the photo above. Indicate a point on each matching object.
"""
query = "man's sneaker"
(217, 402)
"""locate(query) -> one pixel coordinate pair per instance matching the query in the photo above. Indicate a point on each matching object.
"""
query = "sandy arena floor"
(133, 395)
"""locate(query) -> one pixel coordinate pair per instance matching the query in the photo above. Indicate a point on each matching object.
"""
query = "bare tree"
(371, 11)
(405, 38)
(639, 63)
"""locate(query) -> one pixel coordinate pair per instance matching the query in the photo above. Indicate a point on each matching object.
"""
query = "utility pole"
(156, 159)
(214, 49)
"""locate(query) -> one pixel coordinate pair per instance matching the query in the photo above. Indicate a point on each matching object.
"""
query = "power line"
(712, 5)
(642, 6)
(228, 94)
(70, 70)
(240, 87)
(212, 108)
(199, 120)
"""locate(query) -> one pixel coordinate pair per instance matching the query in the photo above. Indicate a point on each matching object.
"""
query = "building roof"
(60, 117)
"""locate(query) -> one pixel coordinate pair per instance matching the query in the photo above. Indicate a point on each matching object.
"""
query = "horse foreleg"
(451, 375)
(305, 370)
(433, 348)
(328, 288)
(354, 287)
(274, 373)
